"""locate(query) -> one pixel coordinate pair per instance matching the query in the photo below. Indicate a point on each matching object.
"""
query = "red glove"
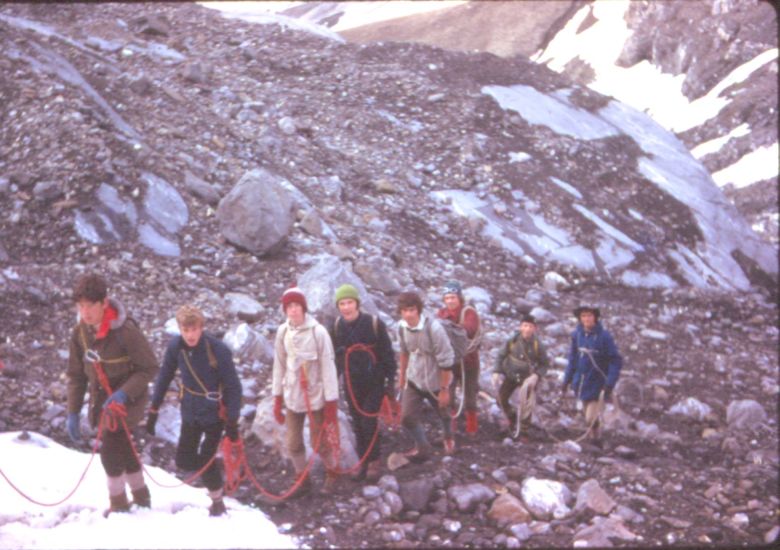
(278, 414)
(331, 412)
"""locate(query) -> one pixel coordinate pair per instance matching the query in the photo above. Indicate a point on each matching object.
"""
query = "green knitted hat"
(347, 291)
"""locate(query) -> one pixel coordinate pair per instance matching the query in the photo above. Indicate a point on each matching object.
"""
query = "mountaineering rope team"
(111, 358)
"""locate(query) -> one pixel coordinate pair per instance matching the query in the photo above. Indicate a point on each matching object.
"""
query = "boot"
(374, 470)
(142, 497)
(119, 504)
(299, 464)
(471, 422)
(331, 482)
(217, 507)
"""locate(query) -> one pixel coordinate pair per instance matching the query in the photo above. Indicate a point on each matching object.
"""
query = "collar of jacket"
(308, 322)
(419, 327)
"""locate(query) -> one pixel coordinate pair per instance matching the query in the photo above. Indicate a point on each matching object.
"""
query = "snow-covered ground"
(179, 517)
(645, 88)
(353, 14)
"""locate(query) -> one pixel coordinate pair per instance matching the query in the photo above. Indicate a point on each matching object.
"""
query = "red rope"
(103, 420)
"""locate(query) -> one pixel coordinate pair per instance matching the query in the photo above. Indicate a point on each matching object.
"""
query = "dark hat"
(452, 287)
(528, 318)
(594, 310)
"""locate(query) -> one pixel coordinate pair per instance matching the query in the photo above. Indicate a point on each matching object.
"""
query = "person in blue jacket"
(210, 398)
(594, 366)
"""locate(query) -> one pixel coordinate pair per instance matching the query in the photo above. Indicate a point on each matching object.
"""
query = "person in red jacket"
(466, 375)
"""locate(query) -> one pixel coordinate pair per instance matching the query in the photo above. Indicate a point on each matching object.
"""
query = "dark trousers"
(510, 384)
(411, 411)
(368, 400)
(192, 453)
(469, 387)
(117, 454)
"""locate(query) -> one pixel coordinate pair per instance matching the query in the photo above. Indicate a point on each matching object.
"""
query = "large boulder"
(319, 284)
(257, 214)
(273, 435)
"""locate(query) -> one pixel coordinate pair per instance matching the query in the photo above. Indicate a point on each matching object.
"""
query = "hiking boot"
(217, 507)
(119, 504)
(374, 470)
(449, 446)
(418, 455)
(330, 484)
(142, 497)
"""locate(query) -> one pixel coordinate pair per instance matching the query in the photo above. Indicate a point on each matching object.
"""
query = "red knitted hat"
(293, 294)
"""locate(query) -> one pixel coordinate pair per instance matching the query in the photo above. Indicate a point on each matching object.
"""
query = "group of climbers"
(110, 357)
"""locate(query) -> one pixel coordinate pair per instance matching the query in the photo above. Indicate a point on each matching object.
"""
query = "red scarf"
(109, 314)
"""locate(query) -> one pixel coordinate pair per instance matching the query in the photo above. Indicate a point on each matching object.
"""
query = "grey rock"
(601, 531)
(543, 316)
(245, 307)
(745, 414)
(257, 213)
(545, 498)
(467, 497)
(152, 24)
(692, 408)
(287, 125)
(371, 492)
(4, 185)
(319, 284)
(201, 188)
(47, 190)
(164, 204)
(197, 72)
(592, 497)
(377, 273)
(312, 223)
(394, 502)
(508, 509)
(388, 483)
(416, 494)
(521, 531)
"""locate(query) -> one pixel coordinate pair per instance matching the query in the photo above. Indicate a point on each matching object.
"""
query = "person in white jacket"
(305, 383)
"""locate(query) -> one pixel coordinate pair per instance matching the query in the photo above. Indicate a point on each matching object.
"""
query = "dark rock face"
(401, 166)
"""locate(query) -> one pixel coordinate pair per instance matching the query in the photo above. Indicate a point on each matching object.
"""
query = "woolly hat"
(293, 294)
(345, 292)
(594, 310)
(528, 318)
(452, 287)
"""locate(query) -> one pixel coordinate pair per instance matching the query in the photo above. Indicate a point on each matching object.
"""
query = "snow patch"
(755, 166)
(715, 145)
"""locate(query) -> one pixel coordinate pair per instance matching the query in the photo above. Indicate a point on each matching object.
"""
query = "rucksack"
(456, 334)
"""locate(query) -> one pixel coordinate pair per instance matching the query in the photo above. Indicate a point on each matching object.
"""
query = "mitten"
(331, 411)
(278, 414)
(119, 397)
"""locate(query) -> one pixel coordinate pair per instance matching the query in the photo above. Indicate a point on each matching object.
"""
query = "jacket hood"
(121, 313)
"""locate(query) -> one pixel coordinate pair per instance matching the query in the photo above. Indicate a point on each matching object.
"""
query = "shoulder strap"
(374, 325)
(210, 354)
(336, 325)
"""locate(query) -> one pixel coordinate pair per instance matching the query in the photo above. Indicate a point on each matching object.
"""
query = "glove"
(151, 421)
(608, 394)
(74, 428)
(119, 397)
(331, 412)
(278, 414)
(231, 430)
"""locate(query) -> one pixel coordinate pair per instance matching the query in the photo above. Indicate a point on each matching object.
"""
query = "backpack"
(456, 334)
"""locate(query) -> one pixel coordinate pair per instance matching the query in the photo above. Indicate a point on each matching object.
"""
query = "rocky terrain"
(195, 158)
(700, 42)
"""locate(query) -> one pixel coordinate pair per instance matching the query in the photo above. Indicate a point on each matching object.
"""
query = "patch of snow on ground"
(714, 145)
(554, 112)
(758, 165)
(178, 518)
(569, 188)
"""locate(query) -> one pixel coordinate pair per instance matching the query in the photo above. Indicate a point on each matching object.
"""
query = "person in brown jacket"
(111, 357)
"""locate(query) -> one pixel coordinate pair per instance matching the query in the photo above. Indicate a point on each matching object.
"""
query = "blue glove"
(74, 428)
(119, 396)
